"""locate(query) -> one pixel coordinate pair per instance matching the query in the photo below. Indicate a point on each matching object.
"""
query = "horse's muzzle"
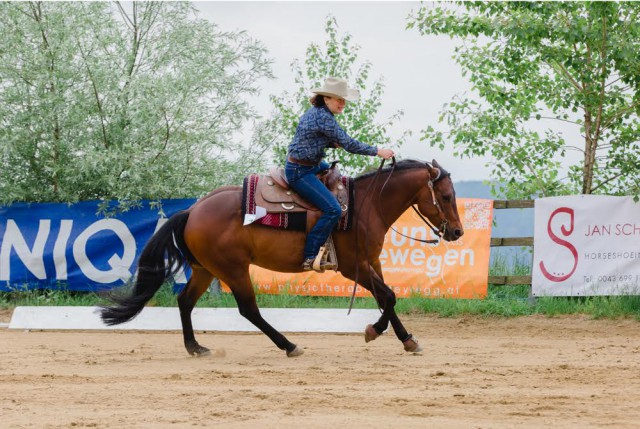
(453, 234)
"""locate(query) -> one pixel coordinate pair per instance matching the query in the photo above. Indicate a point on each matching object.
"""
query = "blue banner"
(62, 246)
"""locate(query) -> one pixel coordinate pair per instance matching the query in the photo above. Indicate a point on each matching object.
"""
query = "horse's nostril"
(458, 233)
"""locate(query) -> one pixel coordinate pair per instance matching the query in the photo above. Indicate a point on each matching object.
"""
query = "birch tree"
(536, 63)
(120, 102)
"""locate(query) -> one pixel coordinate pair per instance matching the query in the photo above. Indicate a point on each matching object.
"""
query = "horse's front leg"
(386, 299)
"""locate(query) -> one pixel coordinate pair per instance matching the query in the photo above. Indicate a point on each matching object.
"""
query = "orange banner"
(447, 270)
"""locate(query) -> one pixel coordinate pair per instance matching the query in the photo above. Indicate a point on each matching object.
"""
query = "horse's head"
(437, 201)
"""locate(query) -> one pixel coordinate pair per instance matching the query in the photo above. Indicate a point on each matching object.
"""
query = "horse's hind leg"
(197, 285)
(242, 289)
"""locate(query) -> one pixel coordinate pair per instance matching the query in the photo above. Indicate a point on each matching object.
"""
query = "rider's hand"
(385, 153)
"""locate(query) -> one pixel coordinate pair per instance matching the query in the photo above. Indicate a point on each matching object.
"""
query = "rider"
(316, 131)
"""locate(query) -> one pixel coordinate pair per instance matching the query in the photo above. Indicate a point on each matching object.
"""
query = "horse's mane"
(405, 164)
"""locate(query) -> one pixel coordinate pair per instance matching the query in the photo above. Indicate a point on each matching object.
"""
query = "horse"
(211, 238)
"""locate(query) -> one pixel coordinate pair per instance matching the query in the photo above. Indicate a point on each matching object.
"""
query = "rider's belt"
(302, 162)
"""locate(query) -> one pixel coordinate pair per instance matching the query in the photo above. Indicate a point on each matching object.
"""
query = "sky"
(419, 73)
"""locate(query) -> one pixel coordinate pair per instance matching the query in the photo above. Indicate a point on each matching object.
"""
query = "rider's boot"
(307, 265)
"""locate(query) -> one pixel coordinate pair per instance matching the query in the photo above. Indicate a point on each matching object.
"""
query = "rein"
(355, 283)
(439, 232)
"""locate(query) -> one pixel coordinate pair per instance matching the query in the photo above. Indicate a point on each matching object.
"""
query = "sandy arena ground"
(532, 372)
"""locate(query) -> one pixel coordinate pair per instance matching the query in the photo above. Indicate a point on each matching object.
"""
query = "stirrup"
(319, 264)
(312, 264)
(326, 259)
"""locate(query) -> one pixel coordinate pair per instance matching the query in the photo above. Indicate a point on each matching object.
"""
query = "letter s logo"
(566, 232)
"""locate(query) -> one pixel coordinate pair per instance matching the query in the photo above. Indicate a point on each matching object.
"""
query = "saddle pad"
(289, 221)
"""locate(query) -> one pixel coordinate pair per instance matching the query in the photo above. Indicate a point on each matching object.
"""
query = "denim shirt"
(317, 130)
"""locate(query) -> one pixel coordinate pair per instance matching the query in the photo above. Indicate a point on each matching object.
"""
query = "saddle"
(268, 200)
(274, 194)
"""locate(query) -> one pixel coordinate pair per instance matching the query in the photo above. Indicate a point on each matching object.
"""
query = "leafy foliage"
(107, 101)
(338, 57)
(532, 63)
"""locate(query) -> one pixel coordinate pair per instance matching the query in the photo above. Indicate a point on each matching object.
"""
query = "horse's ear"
(434, 170)
(435, 163)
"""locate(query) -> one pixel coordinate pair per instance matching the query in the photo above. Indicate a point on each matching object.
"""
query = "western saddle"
(274, 194)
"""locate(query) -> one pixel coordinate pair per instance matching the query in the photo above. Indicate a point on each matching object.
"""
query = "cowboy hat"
(336, 87)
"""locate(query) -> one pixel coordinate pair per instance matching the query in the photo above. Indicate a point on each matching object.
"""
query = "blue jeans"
(303, 180)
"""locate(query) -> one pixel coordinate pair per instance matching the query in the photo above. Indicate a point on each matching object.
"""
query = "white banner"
(586, 245)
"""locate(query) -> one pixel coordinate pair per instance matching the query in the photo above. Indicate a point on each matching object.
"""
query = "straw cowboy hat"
(336, 87)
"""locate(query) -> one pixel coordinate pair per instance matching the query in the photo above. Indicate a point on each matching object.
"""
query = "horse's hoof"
(412, 346)
(203, 352)
(199, 351)
(298, 351)
(370, 333)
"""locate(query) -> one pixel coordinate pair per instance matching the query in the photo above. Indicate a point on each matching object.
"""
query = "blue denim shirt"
(317, 130)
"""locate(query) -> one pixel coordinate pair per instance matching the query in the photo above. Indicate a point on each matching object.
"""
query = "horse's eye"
(446, 198)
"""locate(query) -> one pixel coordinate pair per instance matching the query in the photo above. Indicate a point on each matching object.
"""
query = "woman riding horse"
(318, 130)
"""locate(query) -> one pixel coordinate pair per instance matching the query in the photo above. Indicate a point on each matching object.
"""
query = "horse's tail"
(153, 270)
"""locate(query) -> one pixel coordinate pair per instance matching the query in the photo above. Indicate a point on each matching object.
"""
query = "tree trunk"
(589, 155)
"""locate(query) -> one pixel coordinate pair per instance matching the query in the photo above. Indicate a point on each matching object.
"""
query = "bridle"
(439, 232)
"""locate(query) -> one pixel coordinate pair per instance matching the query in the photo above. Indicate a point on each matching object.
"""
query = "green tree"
(534, 62)
(121, 102)
(338, 57)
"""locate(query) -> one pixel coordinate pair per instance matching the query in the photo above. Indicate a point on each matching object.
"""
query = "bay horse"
(211, 238)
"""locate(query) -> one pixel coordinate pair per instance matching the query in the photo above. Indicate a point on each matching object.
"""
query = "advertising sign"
(586, 245)
(48, 245)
